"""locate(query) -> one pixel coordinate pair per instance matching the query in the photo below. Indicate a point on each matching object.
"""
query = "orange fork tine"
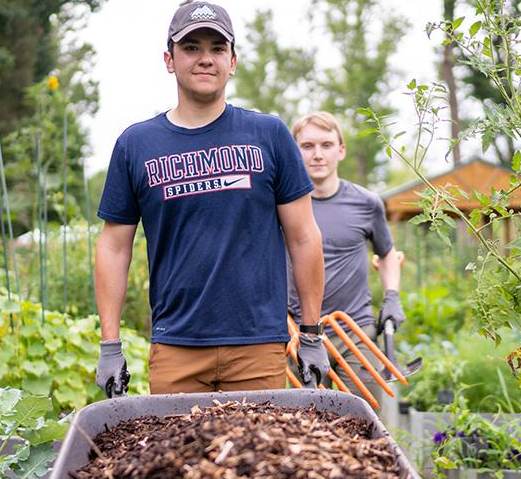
(352, 346)
(292, 378)
(359, 384)
(336, 379)
(381, 356)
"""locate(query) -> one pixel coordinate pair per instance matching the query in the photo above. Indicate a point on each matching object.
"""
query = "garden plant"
(496, 299)
(28, 427)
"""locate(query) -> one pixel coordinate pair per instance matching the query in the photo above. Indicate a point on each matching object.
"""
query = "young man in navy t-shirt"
(219, 190)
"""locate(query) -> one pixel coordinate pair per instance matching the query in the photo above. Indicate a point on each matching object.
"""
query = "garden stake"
(39, 208)
(5, 197)
(65, 210)
(89, 239)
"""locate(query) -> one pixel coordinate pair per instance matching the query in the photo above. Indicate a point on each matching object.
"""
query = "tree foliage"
(362, 76)
(272, 78)
(37, 130)
(29, 51)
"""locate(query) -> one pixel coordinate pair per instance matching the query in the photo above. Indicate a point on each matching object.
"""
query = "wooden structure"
(477, 175)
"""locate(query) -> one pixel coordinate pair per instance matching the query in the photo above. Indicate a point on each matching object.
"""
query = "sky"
(129, 37)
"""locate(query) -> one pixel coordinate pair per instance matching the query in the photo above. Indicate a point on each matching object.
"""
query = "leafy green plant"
(474, 442)
(432, 311)
(497, 299)
(441, 370)
(80, 298)
(57, 358)
(482, 380)
(29, 427)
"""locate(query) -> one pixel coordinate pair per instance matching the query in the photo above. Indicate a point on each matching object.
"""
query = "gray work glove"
(391, 309)
(111, 374)
(313, 362)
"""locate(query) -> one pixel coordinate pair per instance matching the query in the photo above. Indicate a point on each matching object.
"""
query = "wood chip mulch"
(242, 440)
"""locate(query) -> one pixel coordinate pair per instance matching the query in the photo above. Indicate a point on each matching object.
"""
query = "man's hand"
(391, 309)
(312, 359)
(112, 375)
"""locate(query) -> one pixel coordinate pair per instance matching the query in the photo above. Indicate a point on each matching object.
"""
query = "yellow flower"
(53, 83)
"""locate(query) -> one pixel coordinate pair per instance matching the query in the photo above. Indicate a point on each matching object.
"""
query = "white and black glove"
(391, 309)
(111, 374)
(313, 362)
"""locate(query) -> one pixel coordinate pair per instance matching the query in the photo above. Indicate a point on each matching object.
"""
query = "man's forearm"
(308, 273)
(389, 269)
(111, 277)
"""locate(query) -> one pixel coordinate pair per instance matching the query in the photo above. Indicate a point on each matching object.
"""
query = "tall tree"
(447, 74)
(272, 78)
(28, 51)
(360, 79)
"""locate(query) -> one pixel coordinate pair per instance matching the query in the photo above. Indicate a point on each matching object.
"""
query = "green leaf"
(365, 111)
(9, 306)
(36, 348)
(483, 199)
(448, 220)
(51, 431)
(456, 23)
(8, 399)
(38, 463)
(516, 161)
(38, 367)
(389, 152)
(475, 28)
(399, 134)
(418, 219)
(31, 409)
(412, 84)
(38, 385)
(368, 131)
(475, 217)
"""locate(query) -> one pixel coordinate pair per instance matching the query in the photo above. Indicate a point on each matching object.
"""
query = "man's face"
(202, 62)
(321, 151)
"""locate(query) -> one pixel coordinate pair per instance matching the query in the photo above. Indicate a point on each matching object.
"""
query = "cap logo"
(203, 13)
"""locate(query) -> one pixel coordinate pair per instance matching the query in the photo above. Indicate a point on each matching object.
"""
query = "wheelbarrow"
(95, 418)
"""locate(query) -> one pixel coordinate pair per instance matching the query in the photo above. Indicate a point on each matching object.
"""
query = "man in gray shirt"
(348, 216)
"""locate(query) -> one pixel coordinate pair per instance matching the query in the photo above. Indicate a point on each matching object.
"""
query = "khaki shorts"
(176, 369)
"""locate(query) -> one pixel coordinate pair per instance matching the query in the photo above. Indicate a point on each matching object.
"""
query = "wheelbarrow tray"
(95, 418)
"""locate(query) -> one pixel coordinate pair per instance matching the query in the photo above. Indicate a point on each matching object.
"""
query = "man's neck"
(326, 188)
(193, 115)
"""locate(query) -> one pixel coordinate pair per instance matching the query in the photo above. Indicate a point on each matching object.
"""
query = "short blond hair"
(323, 120)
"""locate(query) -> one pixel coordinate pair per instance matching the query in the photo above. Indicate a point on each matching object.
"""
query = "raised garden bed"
(300, 433)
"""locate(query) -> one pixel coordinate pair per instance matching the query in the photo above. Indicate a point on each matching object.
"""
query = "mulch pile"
(241, 440)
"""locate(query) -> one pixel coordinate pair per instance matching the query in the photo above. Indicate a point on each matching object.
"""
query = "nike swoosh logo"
(228, 183)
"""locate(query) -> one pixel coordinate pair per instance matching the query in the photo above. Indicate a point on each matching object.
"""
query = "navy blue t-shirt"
(208, 200)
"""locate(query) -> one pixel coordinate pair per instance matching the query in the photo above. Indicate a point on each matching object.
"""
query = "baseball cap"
(193, 16)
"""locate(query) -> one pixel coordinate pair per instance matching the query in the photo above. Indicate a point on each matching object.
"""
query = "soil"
(242, 440)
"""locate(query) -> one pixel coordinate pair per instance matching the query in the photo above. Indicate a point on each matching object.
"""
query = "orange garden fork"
(332, 319)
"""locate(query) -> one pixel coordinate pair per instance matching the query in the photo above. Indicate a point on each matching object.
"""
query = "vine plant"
(492, 46)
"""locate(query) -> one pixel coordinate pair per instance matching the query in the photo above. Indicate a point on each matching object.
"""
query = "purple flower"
(439, 437)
